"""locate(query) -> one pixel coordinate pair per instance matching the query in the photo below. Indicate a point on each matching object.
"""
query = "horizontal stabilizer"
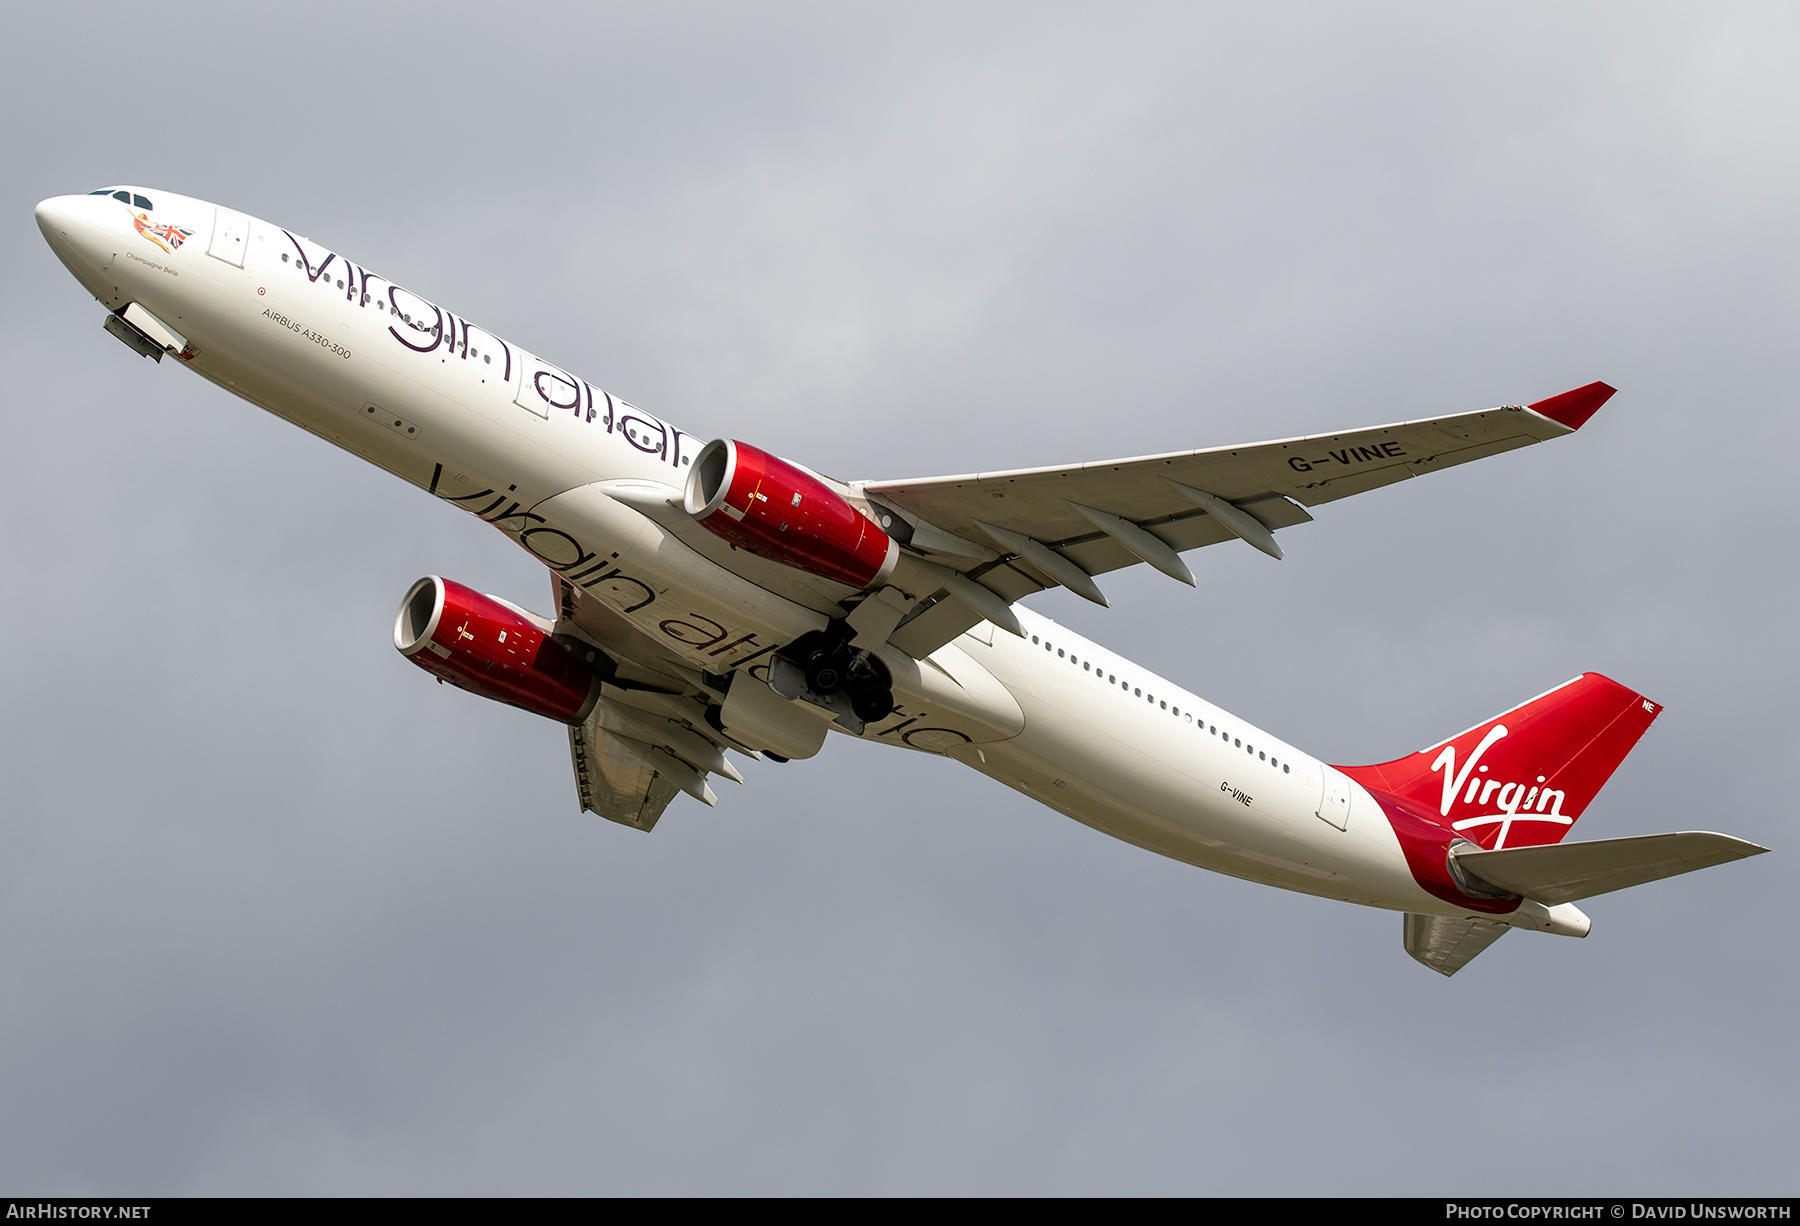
(1564, 872)
(1446, 943)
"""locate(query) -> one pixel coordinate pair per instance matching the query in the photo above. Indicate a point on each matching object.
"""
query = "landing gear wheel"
(824, 673)
(872, 704)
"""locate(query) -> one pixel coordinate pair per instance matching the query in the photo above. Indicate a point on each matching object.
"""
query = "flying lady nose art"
(168, 237)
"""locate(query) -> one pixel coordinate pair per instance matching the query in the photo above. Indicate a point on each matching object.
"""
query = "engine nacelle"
(777, 510)
(490, 648)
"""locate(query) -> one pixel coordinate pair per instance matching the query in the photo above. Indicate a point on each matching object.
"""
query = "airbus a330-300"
(711, 599)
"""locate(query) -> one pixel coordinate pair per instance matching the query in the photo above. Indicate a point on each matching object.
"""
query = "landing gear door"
(231, 234)
(1334, 799)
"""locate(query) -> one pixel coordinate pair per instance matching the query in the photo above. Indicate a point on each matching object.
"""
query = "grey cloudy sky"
(279, 915)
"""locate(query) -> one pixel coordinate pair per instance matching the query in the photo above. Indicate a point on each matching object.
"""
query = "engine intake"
(777, 510)
(487, 647)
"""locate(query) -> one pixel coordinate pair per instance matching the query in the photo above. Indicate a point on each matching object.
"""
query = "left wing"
(615, 781)
(1020, 531)
(647, 738)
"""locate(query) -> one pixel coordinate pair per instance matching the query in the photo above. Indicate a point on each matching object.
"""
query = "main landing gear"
(832, 665)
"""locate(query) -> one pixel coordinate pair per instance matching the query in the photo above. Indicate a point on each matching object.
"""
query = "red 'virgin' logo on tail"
(1512, 802)
(1454, 779)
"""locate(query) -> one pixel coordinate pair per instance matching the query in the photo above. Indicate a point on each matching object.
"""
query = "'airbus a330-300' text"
(710, 598)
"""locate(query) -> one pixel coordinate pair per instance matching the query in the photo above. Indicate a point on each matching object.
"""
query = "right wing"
(1011, 533)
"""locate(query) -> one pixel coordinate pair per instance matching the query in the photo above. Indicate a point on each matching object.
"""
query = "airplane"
(711, 598)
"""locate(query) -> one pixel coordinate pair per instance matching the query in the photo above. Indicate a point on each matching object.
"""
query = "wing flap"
(934, 626)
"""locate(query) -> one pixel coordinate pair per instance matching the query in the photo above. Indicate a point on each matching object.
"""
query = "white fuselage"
(453, 409)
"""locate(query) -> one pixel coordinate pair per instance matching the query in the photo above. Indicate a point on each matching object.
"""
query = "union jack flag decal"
(166, 237)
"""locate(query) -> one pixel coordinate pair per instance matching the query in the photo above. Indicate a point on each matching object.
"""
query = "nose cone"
(71, 228)
(57, 216)
(55, 212)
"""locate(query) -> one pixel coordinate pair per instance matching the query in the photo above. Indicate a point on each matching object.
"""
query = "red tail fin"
(1522, 778)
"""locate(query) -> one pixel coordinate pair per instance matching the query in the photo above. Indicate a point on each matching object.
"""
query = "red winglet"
(1572, 409)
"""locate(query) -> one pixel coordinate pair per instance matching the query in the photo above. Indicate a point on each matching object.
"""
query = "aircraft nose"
(67, 226)
(56, 214)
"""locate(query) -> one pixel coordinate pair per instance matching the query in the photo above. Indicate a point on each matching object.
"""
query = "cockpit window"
(131, 198)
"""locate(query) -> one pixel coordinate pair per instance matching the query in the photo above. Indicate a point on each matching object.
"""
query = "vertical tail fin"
(1523, 777)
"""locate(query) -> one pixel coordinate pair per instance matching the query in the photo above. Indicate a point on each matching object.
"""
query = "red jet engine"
(777, 510)
(490, 648)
